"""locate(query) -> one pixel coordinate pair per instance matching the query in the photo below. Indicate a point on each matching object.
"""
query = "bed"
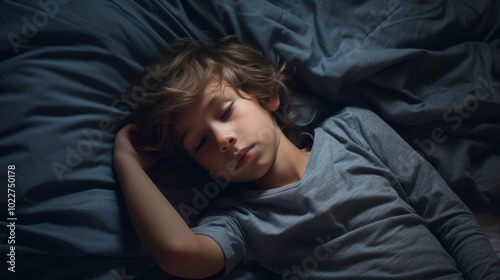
(430, 69)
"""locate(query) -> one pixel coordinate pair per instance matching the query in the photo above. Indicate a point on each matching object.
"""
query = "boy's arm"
(162, 230)
(427, 192)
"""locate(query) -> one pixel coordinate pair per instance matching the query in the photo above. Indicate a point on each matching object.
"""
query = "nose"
(229, 142)
(225, 139)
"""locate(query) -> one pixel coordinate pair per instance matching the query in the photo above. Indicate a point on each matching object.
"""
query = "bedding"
(430, 69)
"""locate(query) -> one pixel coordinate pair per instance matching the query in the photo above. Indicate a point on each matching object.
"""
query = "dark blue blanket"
(430, 69)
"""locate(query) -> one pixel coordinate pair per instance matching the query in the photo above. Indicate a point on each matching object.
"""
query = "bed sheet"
(430, 69)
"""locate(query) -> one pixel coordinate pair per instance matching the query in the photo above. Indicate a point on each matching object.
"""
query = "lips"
(242, 156)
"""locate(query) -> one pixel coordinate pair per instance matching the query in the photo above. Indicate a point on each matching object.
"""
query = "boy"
(359, 203)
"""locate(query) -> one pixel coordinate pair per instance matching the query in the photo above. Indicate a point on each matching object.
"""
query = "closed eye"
(227, 113)
(201, 144)
(224, 116)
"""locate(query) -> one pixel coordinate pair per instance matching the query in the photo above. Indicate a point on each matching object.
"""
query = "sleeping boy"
(358, 202)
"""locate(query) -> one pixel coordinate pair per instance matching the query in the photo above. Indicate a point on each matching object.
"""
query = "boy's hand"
(124, 146)
(158, 224)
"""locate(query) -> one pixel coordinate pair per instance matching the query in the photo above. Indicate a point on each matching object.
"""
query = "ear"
(274, 103)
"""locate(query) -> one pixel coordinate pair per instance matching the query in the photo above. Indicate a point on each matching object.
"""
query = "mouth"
(243, 156)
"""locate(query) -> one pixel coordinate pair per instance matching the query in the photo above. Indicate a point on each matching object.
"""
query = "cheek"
(262, 130)
(211, 162)
(204, 162)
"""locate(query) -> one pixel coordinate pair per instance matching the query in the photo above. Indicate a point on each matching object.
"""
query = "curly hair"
(181, 76)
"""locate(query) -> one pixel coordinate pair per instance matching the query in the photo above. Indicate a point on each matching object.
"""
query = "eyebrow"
(209, 106)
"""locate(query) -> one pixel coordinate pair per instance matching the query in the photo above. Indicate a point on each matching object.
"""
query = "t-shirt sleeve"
(226, 231)
(426, 191)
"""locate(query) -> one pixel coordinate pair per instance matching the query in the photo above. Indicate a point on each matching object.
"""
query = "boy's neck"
(289, 165)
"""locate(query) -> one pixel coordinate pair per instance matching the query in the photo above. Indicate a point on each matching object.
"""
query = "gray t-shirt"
(367, 206)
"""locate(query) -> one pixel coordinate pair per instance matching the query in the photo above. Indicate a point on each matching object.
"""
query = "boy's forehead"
(208, 98)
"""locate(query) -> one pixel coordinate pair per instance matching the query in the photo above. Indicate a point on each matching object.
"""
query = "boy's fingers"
(132, 127)
(129, 129)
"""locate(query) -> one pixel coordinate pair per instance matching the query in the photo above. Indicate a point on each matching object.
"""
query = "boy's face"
(234, 137)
